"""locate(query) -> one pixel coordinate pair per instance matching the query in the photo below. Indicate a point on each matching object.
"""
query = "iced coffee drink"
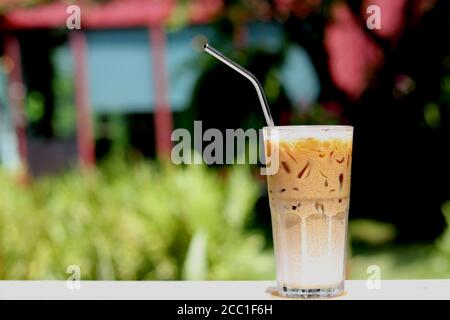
(309, 201)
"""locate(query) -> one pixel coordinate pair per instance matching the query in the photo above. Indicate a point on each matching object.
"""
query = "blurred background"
(86, 117)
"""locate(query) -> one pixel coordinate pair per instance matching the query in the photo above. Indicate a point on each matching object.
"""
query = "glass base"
(312, 293)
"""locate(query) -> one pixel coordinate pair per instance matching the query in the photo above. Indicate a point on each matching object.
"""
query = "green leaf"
(432, 115)
(195, 265)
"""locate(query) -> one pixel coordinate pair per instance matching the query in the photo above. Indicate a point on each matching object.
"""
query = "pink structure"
(152, 14)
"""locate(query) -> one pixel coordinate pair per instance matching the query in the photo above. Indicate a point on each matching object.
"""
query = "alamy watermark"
(73, 21)
(374, 19)
(233, 147)
(73, 282)
(374, 280)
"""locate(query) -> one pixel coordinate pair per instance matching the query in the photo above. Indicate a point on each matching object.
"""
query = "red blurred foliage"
(392, 16)
(299, 8)
(201, 11)
(353, 56)
(333, 107)
(420, 7)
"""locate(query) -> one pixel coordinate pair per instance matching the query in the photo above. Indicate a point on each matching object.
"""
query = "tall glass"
(309, 197)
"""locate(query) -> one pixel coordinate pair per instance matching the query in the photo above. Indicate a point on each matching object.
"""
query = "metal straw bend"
(259, 89)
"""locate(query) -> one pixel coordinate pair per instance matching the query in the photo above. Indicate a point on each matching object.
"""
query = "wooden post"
(163, 115)
(16, 96)
(85, 139)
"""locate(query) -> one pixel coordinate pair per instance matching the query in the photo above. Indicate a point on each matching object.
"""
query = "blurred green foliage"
(444, 240)
(372, 245)
(140, 221)
(416, 261)
(34, 107)
(432, 115)
(64, 120)
(157, 221)
(371, 232)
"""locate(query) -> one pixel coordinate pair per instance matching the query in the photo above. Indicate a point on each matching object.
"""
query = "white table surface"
(212, 290)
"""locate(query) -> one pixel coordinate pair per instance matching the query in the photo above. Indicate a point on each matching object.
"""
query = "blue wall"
(9, 156)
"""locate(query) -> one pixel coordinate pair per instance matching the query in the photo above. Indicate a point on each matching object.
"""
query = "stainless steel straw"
(259, 89)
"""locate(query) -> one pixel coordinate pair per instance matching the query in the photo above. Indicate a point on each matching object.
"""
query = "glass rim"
(313, 127)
